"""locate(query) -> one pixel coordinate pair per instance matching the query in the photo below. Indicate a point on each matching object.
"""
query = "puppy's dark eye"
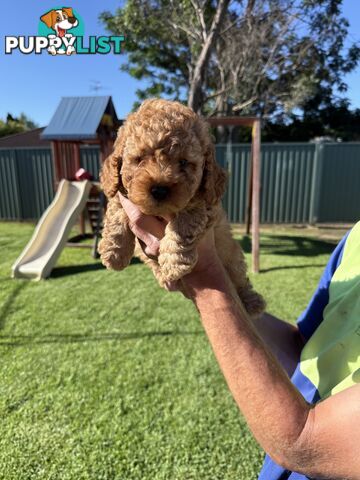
(137, 159)
(183, 162)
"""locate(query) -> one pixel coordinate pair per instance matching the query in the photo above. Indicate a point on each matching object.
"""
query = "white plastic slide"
(52, 231)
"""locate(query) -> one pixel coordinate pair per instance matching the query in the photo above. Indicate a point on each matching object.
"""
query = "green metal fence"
(339, 193)
(27, 180)
(300, 182)
(287, 174)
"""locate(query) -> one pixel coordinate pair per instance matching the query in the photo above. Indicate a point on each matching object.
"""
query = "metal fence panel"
(339, 196)
(36, 185)
(9, 195)
(286, 178)
(287, 172)
(300, 182)
(26, 182)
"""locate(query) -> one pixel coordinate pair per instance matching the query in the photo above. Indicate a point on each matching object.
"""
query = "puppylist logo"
(61, 32)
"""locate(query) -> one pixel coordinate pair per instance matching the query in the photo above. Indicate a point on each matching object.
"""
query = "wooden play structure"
(82, 121)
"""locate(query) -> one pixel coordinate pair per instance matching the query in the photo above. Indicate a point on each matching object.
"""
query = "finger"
(172, 286)
(166, 218)
(146, 250)
(152, 249)
(132, 211)
(151, 243)
(151, 225)
(140, 221)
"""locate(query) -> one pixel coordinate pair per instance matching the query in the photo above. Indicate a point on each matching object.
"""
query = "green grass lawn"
(106, 376)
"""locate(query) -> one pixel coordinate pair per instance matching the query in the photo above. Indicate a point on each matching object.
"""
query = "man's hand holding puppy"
(321, 440)
(150, 230)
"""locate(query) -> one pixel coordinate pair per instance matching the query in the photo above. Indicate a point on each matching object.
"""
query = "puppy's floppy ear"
(47, 18)
(68, 11)
(110, 176)
(213, 183)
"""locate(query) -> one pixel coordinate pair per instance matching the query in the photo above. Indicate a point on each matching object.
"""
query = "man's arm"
(321, 441)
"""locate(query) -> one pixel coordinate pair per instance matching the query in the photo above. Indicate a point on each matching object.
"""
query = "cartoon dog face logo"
(60, 20)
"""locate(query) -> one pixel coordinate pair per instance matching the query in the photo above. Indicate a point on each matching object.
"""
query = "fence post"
(255, 217)
(316, 183)
(249, 193)
(229, 167)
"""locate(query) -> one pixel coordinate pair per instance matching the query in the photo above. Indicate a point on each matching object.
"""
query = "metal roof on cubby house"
(79, 120)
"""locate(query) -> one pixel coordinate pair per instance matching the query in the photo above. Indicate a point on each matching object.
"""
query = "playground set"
(93, 121)
(77, 120)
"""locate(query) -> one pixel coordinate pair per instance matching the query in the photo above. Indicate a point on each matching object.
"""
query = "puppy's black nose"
(72, 20)
(159, 192)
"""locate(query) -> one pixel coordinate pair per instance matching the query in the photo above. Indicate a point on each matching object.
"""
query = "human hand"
(150, 230)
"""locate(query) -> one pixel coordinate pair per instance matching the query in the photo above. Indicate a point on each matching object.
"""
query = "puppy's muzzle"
(160, 192)
(72, 20)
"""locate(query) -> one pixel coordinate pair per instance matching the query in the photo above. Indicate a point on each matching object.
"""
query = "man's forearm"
(321, 442)
(273, 408)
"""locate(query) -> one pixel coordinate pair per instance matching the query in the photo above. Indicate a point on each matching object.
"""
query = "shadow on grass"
(22, 340)
(89, 267)
(291, 267)
(288, 245)
(5, 309)
(74, 269)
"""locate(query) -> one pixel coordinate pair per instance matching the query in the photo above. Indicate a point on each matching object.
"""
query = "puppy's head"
(164, 158)
(60, 20)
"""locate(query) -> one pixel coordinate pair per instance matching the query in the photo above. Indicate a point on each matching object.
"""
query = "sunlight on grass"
(106, 376)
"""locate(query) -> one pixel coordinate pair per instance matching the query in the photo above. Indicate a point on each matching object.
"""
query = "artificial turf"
(106, 376)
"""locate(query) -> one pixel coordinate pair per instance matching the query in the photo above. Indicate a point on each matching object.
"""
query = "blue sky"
(34, 84)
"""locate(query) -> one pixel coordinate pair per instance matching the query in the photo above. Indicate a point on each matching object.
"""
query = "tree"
(267, 57)
(16, 125)
(336, 121)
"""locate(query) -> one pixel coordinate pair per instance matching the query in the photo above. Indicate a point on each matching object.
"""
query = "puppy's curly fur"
(164, 161)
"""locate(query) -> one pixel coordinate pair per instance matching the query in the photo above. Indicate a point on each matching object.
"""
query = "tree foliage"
(16, 124)
(267, 57)
(336, 121)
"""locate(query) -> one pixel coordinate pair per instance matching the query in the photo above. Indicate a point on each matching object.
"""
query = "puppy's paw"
(114, 261)
(175, 266)
(114, 258)
(253, 302)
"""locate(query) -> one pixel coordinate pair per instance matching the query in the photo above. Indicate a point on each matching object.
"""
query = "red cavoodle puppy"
(164, 162)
